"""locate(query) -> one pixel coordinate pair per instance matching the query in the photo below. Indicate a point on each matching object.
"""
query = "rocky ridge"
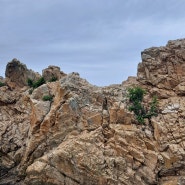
(86, 135)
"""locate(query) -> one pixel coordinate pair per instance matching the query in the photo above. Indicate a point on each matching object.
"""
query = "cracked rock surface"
(86, 136)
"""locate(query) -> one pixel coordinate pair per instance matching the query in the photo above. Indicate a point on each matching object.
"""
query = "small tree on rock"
(136, 105)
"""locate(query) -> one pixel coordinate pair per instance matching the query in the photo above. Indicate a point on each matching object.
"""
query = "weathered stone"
(163, 67)
(52, 73)
(119, 114)
(18, 73)
(79, 138)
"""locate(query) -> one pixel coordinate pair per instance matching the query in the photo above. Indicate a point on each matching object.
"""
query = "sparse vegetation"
(47, 98)
(53, 79)
(2, 84)
(39, 82)
(30, 82)
(31, 91)
(136, 105)
(35, 84)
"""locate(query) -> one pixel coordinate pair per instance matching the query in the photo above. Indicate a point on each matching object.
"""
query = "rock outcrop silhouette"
(85, 134)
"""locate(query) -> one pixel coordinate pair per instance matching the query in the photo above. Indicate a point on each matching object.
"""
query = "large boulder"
(52, 73)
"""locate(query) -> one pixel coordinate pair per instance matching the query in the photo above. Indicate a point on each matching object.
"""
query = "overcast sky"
(100, 39)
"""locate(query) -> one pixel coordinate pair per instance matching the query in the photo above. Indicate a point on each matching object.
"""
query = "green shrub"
(135, 97)
(2, 84)
(30, 91)
(136, 94)
(30, 82)
(47, 98)
(153, 111)
(53, 79)
(38, 83)
(35, 84)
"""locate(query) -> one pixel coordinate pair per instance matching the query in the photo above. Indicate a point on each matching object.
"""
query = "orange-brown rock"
(17, 74)
(85, 135)
(52, 73)
(163, 67)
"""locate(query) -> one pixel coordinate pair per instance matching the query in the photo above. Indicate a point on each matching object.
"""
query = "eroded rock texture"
(52, 73)
(17, 74)
(86, 136)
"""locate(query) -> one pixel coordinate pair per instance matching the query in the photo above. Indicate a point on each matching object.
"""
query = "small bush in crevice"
(2, 84)
(39, 82)
(141, 110)
(30, 82)
(47, 98)
(30, 91)
(53, 79)
(35, 84)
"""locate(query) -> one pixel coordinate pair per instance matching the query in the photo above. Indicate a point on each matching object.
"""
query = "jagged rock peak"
(18, 73)
(164, 67)
(52, 72)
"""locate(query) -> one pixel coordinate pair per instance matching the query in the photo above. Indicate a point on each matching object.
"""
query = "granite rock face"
(17, 73)
(86, 136)
(52, 73)
(164, 67)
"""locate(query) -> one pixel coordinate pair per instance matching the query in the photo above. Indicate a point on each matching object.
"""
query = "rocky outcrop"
(161, 73)
(17, 73)
(14, 127)
(163, 67)
(86, 136)
(52, 73)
